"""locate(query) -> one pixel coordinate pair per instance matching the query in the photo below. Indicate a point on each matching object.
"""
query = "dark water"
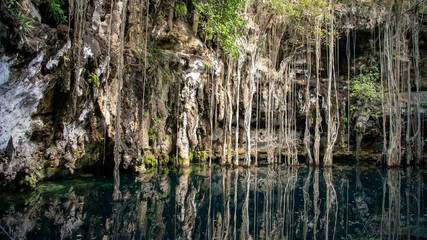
(201, 203)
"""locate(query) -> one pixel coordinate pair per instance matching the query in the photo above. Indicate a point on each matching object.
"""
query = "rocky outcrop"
(59, 86)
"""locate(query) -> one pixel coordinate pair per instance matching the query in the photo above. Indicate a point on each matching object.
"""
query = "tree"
(220, 18)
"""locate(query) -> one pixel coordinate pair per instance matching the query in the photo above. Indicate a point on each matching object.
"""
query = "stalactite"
(348, 54)
(293, 131)
(117, 143)
(144, 38)
(391, 48)
(248, 110)
(307, 135)
(408, 145)
(226, 147)
(177, 110)
(107, 78)
(281, 139)
(257, 120)
(230, 114)
(273, 48)
(79, 25)
(317, 130)
(383, 157)
(396, 148)
(416, 64)
(332, 128)
(239, 67)
(287, 124)
(212, 105)
(269, 121)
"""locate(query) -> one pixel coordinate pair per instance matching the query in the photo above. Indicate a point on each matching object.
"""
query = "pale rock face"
(96, 17)
(182, 141)
(20, 98)
(5, 64)
(54, 61)
(54, 122)
(87, 52)
(187, 134)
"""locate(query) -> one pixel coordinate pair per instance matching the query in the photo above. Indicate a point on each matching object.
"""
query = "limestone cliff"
(181, 96)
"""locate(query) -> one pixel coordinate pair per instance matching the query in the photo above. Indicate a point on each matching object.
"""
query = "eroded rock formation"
(59, 86)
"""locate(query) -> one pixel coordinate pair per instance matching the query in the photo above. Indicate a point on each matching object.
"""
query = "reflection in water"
(219, 203)
(331, 203)
(306, 195)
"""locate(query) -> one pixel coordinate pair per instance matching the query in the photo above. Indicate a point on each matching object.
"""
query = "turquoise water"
(344, 202)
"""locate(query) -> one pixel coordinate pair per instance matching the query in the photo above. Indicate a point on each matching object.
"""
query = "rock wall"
(59, 86)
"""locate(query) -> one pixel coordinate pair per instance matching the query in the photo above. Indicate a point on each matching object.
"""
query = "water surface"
(343, 202)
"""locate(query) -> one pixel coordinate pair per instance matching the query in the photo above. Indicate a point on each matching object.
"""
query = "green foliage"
(25, 22)
(180, 9)
(30, 180)
(300, 9)
(202, 155)
(152, 137)
(139, 168)
(56, 10)
(17, 9)
(12, 4)
(222, 19)
(30, 200)
(155, 119)
(150, 161)
(153, 49)
(366, 86)
(163, 160)
(95, 79)
(151, 171)
(151, 134)
(163, 195)
(366, 90)
(207, 64)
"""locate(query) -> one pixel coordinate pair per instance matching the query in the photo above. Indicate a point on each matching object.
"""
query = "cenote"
(122, 88)
(266, 202)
